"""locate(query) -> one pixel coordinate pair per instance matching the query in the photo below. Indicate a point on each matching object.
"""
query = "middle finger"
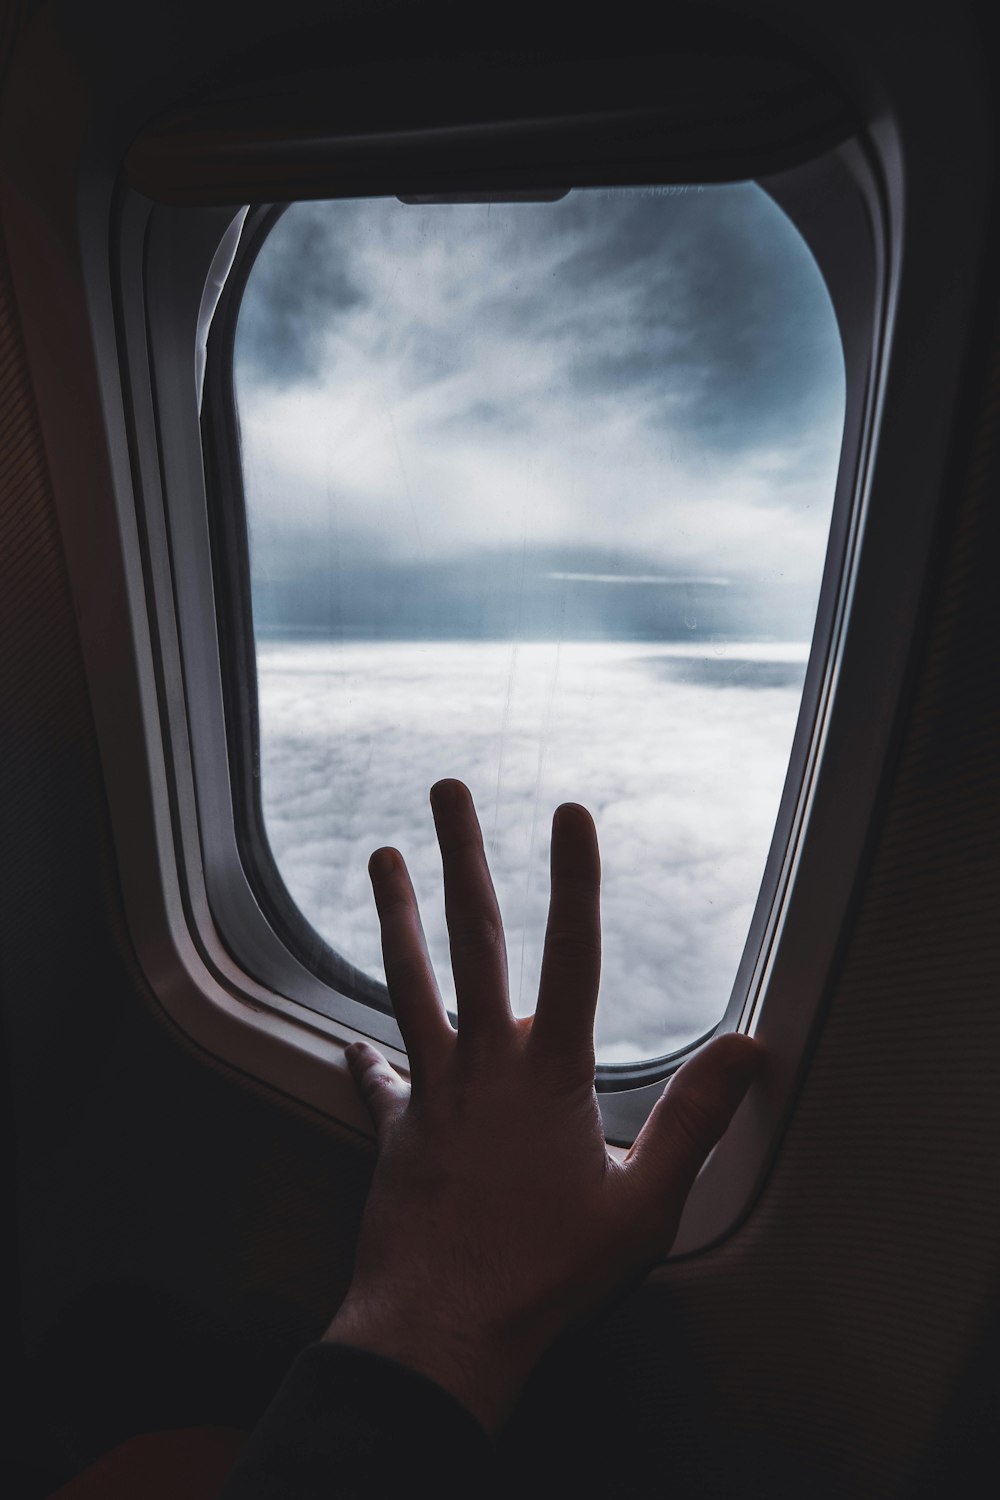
(475, 931)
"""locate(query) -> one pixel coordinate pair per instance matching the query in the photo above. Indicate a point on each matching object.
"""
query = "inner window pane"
(538, 496)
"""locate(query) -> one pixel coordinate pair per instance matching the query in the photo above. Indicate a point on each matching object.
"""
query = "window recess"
(278, 641)
(537, 490)
(203, 580)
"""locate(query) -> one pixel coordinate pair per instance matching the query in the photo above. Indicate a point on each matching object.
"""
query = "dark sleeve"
(349, 1425)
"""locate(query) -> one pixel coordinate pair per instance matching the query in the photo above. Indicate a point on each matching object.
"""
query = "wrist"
(476, 1370)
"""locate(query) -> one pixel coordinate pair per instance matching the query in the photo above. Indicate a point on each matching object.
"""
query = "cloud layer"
(683, 776)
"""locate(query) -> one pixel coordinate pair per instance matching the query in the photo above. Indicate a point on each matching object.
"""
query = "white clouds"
(349, 453)
(683, 780)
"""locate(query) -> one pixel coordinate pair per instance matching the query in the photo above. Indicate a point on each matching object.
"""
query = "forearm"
(348, 1424)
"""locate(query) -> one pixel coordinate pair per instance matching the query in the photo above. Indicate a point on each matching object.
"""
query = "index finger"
(409, 976)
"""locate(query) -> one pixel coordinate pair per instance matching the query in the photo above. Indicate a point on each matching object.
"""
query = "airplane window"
(538, 495)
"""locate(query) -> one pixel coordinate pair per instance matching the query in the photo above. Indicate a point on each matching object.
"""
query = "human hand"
(496, 1215)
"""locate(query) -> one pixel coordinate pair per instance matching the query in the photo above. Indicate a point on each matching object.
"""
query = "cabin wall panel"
(180, 1235)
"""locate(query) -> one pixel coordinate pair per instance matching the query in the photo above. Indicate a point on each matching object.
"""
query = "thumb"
(379, 1085)
(689, 1117)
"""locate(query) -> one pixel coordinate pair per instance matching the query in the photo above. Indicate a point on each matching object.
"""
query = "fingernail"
(383, 862)
(575, 812)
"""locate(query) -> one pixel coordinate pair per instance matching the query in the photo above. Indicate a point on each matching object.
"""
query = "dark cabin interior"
(181, 1228)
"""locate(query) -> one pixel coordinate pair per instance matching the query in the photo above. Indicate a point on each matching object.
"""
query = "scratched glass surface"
(538, 495)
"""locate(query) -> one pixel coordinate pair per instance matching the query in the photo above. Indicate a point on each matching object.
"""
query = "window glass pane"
(538, 496)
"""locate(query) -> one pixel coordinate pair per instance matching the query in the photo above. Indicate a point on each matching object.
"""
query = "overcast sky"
(615, 417)
(649, 378)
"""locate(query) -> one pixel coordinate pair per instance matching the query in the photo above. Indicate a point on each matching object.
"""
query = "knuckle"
(394, 899)
(404, 972)
(373, 1067)
(396, 902)
(573, 1075)
(462, 843)
(578, 885)
(575, 946)
(377, 1081)
(696, 1116)
(481, 934)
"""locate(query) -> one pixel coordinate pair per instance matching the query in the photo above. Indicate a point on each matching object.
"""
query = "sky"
(621, 410)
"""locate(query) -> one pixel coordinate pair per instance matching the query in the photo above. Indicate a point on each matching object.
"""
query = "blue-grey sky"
(628, 383)
(563, 437)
